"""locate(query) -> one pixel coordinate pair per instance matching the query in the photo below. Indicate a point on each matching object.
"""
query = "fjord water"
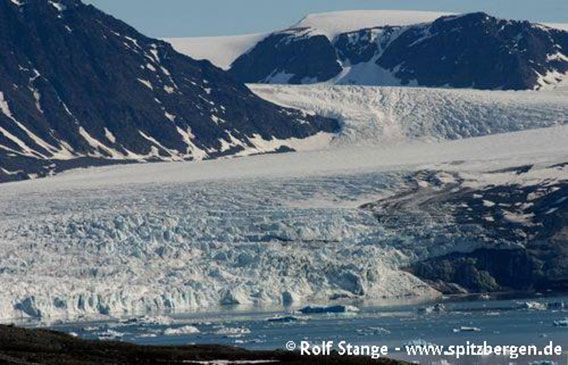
(502, 321)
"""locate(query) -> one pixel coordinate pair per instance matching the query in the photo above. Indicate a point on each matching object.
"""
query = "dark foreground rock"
(23, 346)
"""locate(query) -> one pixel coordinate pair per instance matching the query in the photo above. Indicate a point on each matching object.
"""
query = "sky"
(184, 18)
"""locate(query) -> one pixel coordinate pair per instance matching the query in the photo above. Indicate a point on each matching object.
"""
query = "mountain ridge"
(79, 88)
(223, 50)
(471, 50)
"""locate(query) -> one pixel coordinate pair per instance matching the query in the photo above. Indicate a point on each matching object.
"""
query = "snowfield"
(336, 22)
(273, 229)
(221, 51)
(561, 26)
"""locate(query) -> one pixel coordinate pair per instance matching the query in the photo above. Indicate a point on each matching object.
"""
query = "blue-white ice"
(265, 230)
(153, 248)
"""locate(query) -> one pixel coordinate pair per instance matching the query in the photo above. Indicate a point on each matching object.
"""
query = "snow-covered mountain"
(81, 88)
(374, 213)
(393, 48)
(222, 51)
(461, 51)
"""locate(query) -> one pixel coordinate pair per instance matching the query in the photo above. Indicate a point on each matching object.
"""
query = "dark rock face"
(468, 51)
(482, 271)
(496, 238)
(78, 86)
(534, 216)
(305, 58)
(476, 51)
(364, 45)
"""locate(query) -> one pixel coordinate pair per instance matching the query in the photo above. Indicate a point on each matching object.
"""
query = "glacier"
(157, 248)
(285, 229)
(372, 115)
(100, 242)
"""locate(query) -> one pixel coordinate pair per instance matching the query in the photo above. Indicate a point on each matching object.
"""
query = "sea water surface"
(498, 321)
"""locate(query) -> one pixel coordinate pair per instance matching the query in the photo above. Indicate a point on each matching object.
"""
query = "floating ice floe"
(147, 335)
(373, 331)
(467, 329)
(330, 309)
(185, 330)
(149, 320)
(418, 342)
(110, 335)
(233, 332)
(534, 306)
(436, 308)
(283, 319)
(91, 328)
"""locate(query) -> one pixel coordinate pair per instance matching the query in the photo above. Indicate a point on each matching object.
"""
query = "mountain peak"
(82, 88)
(478, 15)
(384, 48)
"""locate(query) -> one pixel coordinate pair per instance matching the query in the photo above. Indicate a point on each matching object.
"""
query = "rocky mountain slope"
(81, 88)
(508, 228)
(460, 51)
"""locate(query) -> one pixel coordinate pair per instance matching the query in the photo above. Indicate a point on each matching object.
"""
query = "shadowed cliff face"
(79, 87)
(466, 51)
(288, 58)
(477, 51)
(508, 236)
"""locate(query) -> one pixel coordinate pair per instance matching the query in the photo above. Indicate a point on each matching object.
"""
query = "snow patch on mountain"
(334, 23)
(553, 79)
(561, 26)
